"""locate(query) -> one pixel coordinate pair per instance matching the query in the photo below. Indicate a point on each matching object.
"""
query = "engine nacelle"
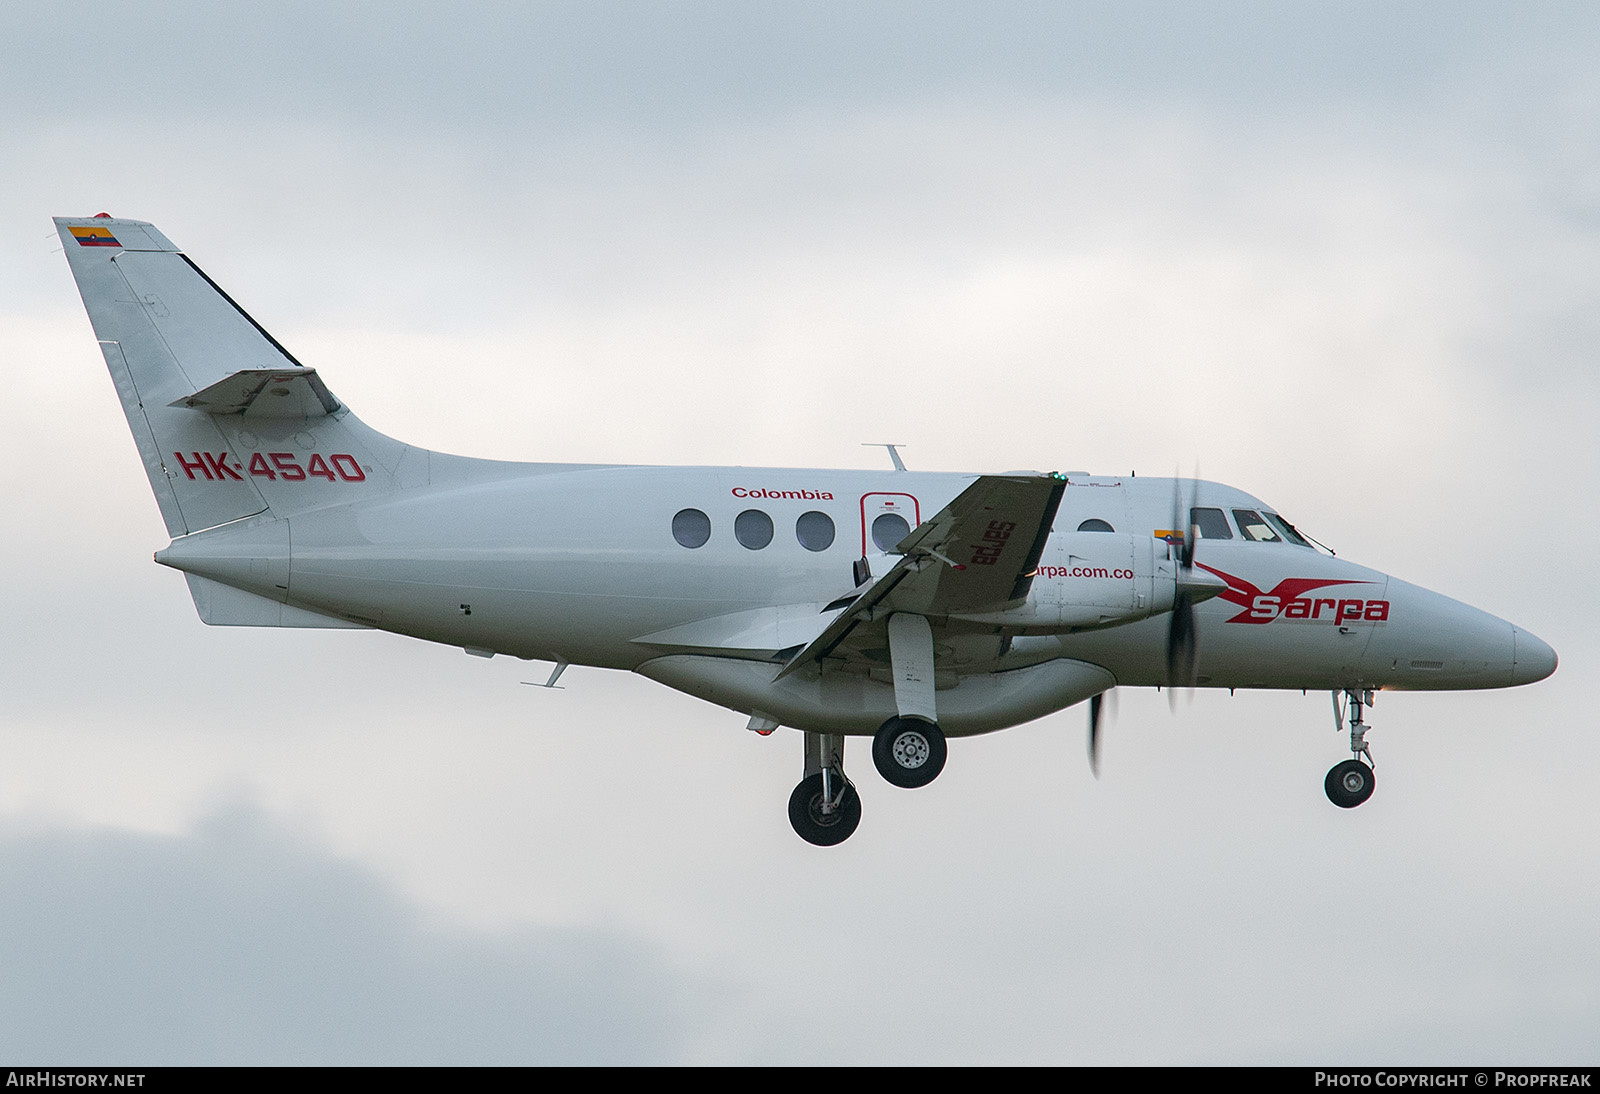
(1091, 580)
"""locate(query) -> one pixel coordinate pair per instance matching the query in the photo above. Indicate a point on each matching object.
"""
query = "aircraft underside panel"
(222, 606)
(836, 702)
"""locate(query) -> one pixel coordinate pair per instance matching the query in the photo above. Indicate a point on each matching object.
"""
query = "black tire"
(812, 824)
(909, 752)
(1349, 784)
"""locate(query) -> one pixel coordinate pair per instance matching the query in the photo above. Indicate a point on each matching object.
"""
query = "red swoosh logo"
(1244, 594)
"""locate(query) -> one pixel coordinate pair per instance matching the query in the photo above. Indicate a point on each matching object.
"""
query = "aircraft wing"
(977, 554)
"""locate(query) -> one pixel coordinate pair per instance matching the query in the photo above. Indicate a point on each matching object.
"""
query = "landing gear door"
(886, 519)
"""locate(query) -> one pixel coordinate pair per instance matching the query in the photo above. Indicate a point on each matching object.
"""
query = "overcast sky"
(1344, 259)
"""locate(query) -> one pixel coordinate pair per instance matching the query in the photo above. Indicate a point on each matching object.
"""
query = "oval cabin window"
(814, 530)
(753, 529)
(691, 528)
(889, 529)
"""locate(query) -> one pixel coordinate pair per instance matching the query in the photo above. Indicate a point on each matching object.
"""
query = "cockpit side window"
(1211, 522)
(1254, 528)
(1286, 530)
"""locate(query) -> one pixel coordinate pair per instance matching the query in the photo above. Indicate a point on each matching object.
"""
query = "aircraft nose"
(1434, 643)
(1532, 660)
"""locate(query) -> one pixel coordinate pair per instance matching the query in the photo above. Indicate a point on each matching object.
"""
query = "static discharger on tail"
(905, 606)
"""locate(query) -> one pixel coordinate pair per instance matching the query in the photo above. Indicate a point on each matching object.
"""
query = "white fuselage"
(581, 565)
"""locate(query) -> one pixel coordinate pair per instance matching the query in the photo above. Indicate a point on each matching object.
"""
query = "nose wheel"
(1351, 782)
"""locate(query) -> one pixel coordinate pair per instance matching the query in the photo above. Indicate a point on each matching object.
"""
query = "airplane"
(904, 606)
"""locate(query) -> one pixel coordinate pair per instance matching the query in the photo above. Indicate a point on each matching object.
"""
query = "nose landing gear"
(1351, 782)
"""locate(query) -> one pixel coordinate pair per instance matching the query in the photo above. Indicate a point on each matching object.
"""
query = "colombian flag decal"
(94, 237)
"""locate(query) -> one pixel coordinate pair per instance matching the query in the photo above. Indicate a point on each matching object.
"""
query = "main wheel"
(909, 752)
(812, 824)
(1349, 784)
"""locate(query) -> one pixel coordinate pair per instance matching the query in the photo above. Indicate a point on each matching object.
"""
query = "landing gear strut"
(1351, 782)
(909, 748)
(825, 808)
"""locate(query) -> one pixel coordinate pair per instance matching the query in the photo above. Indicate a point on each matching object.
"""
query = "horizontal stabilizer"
(265, 393)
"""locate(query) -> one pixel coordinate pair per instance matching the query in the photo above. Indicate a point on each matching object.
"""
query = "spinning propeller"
(1190, 587)
(1100, 712)
(1182, 647)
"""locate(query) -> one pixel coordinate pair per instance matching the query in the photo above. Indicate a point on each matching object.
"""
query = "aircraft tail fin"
(227, 422)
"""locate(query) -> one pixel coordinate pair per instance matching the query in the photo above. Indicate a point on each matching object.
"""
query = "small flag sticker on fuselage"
(94, 237)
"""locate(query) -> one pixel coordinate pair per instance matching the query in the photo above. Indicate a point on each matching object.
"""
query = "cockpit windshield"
(1254, 528)
(1260, 526)
(1286, 530)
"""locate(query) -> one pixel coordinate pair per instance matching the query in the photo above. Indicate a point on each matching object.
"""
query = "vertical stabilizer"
(227, 422)
(140, 295)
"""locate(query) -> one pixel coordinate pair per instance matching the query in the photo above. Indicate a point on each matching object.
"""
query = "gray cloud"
(672, 68)
(243, 944)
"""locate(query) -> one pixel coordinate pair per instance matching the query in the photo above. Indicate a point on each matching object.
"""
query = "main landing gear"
(1351, 782)
(825, 808)
(908, 749)
(909, 752)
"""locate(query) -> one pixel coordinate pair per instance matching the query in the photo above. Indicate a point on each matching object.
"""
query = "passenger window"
(691, 528)
(753, 529)
(889, 529)
(1253, 527)
(1095, 524)
(1213, 524)
(814, 530)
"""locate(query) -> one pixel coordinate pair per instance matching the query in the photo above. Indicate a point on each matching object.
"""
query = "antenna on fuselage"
(894, 454)
(561, 666)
